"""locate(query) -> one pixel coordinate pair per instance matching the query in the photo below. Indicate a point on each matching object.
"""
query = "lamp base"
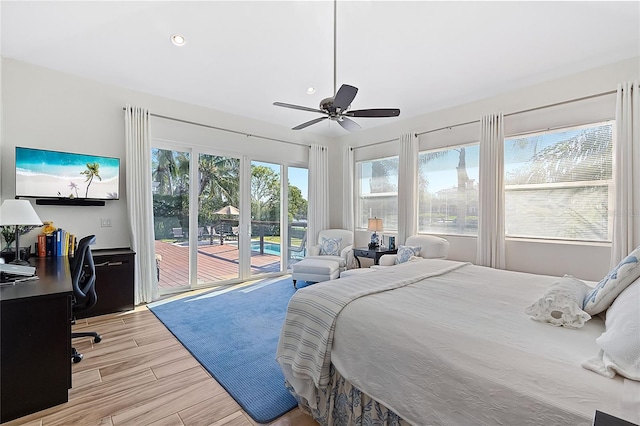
(10, 256)
(19, 262)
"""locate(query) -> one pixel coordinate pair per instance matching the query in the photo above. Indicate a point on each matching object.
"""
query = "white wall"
(586, 261)
(52, 110)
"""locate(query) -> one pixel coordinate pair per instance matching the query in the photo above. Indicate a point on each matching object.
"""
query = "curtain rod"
(584, 98)
(222, 129)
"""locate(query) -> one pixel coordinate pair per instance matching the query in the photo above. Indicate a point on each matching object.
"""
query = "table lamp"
(375, 225)
(18, 213)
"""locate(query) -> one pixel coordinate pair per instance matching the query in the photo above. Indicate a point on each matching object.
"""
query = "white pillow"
(561, 304)
(620, 343)
(603, 295)
(405, 253)
(330, 246)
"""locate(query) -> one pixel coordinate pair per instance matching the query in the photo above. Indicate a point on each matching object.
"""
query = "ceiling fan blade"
(375, 112)
(345, 96)
(309, 123)
(302, 108)
(349, 125)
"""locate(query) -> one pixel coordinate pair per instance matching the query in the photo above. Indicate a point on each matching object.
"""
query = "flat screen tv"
(64, 175)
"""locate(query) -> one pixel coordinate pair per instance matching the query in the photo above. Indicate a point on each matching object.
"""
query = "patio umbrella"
(230, 210)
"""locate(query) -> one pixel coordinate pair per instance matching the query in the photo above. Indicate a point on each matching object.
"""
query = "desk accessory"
(16, 213)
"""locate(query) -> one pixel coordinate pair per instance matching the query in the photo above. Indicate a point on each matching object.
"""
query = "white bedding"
(458, 349)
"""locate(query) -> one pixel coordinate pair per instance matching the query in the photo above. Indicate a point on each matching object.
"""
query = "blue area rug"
(234, 335)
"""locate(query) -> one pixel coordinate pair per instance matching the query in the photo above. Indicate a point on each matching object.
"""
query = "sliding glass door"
(170, 170)
(297, 201)
(265, 218)
(208, 233)
(218, 254)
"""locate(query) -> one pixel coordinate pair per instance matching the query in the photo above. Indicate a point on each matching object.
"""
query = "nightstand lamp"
(18, 213)
(375, 225)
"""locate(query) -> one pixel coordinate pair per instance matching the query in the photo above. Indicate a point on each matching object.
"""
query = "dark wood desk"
(35, 340)
(374, 254)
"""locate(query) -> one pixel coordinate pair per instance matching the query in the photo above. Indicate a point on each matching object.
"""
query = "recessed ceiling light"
(311, 90)
(178, 40)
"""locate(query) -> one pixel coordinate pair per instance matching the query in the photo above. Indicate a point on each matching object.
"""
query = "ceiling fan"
(336, 107)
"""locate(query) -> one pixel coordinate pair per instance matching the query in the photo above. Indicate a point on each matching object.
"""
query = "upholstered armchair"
(343, 252)
(432, 247)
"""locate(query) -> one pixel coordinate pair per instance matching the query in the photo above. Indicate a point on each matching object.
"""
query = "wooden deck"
(215, 263)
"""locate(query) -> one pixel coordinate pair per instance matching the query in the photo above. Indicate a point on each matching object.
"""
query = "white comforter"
(453, 349)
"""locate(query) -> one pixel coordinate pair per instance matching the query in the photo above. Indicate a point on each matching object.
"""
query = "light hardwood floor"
(141, 375)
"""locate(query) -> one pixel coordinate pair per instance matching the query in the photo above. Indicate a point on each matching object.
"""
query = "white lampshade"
(375, 225)
(18, 212)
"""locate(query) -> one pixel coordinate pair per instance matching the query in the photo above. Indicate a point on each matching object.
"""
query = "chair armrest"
(387, 260)
(346, 250)
(314, 250)
(347, 255)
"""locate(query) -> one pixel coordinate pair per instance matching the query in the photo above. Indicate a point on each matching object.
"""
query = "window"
(377, 183)
(448, 191)
(558, 184)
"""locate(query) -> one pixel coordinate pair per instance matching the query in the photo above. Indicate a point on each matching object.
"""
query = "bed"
(439, 342)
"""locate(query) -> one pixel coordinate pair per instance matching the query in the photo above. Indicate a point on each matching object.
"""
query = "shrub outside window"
(448, 190)
(558, 184)
(377, 187)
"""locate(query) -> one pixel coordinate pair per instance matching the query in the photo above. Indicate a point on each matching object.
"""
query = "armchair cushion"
(330, 246)
(407, 252)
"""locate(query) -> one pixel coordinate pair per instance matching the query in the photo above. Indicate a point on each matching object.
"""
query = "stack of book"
(58, 243)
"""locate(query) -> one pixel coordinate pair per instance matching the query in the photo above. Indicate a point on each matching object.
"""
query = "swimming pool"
(269, 248)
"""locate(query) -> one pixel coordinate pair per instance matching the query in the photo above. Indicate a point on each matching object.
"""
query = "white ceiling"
(241, 56)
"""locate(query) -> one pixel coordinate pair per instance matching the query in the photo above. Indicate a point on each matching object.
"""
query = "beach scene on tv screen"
(41, 173)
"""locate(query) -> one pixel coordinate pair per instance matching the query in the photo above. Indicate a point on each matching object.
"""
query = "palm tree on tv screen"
(93, 170)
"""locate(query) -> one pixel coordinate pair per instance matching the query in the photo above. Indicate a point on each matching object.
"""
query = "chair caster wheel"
(77, 358)
(97, 339)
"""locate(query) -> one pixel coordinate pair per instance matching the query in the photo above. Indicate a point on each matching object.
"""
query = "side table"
(374, 254)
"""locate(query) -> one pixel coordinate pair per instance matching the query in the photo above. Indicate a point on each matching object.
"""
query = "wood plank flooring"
(139, 374)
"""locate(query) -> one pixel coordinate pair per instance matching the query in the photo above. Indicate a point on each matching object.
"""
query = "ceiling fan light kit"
(336, 107)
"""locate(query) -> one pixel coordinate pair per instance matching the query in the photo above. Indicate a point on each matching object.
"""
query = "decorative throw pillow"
(620, 343)
(561, 304)
(603, 295)
(330, 246)
(405, 253)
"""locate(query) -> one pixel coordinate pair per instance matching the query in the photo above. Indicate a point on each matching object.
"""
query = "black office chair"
(83, 276)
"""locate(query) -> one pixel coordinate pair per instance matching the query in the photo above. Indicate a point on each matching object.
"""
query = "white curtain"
(407, 187)
(139, 202)
(348, 170)
(626, 171)
(318, 217)
(491, 248)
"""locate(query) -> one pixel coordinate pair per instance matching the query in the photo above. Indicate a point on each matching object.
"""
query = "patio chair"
(299, 251)
(214, 234)
(177, 233)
